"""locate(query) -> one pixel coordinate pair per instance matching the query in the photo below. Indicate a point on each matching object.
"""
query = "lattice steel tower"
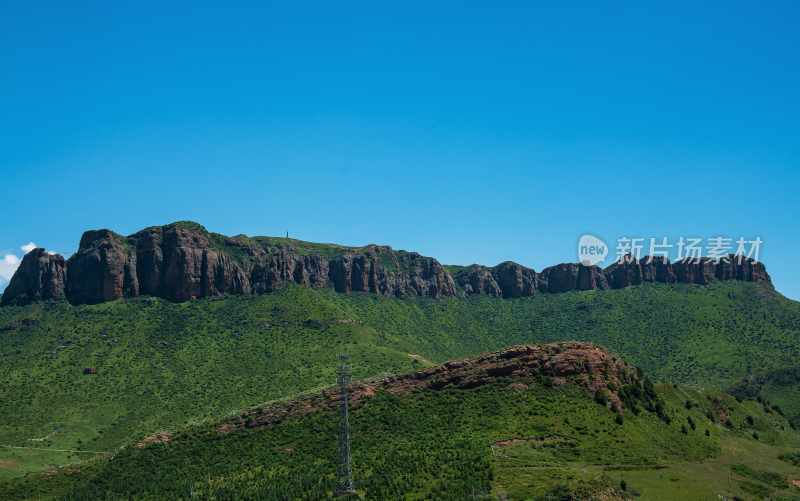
(345, 470)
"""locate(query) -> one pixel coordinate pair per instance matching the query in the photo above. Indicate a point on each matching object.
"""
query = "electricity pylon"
(345, 485)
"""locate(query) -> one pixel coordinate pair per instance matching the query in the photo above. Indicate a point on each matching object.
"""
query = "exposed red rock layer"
(513, 280)
(40, 277)
(583, 364)
(180, 262)
(183, 261)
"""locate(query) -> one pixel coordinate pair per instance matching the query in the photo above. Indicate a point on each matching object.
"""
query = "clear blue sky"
(470, 132)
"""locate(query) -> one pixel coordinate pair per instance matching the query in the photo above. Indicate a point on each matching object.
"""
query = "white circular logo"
(591, 250)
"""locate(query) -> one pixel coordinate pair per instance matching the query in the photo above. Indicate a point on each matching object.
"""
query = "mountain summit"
(183, 261)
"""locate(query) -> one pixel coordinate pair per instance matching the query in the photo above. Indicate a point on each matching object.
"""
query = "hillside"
(526, 422)
(160, 364)
(781, 387)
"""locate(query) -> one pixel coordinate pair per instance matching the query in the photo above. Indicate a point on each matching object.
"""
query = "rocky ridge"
(583, 364)
(183, 261)
(510, 279)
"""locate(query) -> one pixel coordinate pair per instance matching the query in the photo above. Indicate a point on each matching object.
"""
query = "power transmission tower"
(345, 485)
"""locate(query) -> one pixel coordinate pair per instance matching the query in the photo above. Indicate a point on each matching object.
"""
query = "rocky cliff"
(513, 280)
(41, 276)
(182, 261)
(585, 365)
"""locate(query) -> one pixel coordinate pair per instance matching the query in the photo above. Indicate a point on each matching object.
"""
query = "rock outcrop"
(515, 280)
(507, 279)
(583, 364)
(567, 277)
(738, 268)
(180, 263)
(380, 270)
(103, 269)
(40, 277)
(477, 279)
(183, 261)
(629, 271)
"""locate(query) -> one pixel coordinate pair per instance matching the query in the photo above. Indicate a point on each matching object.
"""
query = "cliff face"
(513, 280)
(40, 277)
(507, 279)
(574, 276)
(183, 261)
(629, 271)
(103, 269)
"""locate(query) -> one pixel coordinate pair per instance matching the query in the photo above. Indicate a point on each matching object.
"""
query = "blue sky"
(466, 131)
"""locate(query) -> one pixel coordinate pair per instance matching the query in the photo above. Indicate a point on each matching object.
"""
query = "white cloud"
(28, 247)
(8, 265)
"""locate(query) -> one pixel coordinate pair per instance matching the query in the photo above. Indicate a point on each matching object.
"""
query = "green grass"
(717, 476)
(770, 478)
(488, 442)
(791, 458)
(522, 472)
(778, 388)
(161, 365)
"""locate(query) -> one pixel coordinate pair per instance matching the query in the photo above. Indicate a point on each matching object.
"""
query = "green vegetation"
(306, 248)
(235, 246)
(777, 389)
(495, 441)
(791, 457)
(772, 479)
(161, 365)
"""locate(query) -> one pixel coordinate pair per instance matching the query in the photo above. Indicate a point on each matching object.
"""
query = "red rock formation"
(40, 277)
(628, 271)
(583, 364)
(182, 261)
(477, 279)
(695, 271)
(103, 269)
(515, 280)
(735, 267)
(567, 277)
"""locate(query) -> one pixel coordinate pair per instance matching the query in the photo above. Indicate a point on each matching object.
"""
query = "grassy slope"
(161, 364)
(443, 445)
(781, 387)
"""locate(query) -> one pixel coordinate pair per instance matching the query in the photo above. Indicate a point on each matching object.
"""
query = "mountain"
(159, 364)
(555, 421)
(174, 327)
(183, 261)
